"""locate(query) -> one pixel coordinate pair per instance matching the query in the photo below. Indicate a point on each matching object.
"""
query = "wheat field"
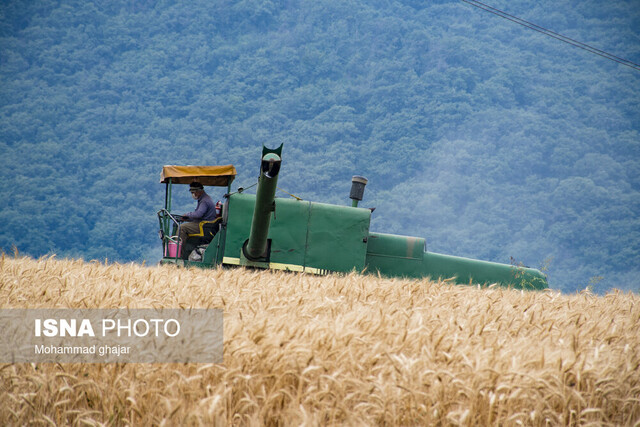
(351, 349)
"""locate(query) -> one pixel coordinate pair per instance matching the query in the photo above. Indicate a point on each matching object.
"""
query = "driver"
(205, 211)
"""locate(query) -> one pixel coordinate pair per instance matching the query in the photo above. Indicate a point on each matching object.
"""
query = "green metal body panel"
(392, 255)
(470, 271)
(303, 235)
(337, 237)
(215, 251)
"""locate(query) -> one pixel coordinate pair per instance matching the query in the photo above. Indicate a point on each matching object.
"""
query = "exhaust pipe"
(357, 189)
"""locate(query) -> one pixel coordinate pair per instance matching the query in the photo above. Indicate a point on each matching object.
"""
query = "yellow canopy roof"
(220, 176)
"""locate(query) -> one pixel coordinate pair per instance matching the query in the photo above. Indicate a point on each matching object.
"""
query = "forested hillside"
(491, 140)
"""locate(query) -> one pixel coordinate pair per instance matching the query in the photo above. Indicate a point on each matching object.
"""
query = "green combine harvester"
(262, 231)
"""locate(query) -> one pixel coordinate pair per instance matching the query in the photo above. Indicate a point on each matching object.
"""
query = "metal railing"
(166, 219)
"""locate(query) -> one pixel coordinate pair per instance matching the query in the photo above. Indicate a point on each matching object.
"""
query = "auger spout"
(256, 247)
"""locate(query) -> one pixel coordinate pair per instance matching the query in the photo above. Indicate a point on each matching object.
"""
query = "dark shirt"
(205, 210)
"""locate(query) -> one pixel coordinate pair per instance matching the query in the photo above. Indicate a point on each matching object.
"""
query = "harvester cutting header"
(263, 231)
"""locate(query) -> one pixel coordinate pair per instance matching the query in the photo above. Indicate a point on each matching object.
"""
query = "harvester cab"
(171, 224)
(312, 237)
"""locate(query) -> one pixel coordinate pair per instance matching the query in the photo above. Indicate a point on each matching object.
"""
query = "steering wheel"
(179, 218)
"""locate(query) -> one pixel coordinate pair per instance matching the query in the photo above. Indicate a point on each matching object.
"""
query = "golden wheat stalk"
(351, 349)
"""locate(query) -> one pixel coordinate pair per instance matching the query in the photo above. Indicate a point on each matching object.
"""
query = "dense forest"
(491, 140)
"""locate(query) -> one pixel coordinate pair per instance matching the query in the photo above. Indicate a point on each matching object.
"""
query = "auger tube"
(256, 247)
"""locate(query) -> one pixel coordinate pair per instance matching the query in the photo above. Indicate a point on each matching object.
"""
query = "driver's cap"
(195, 186)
